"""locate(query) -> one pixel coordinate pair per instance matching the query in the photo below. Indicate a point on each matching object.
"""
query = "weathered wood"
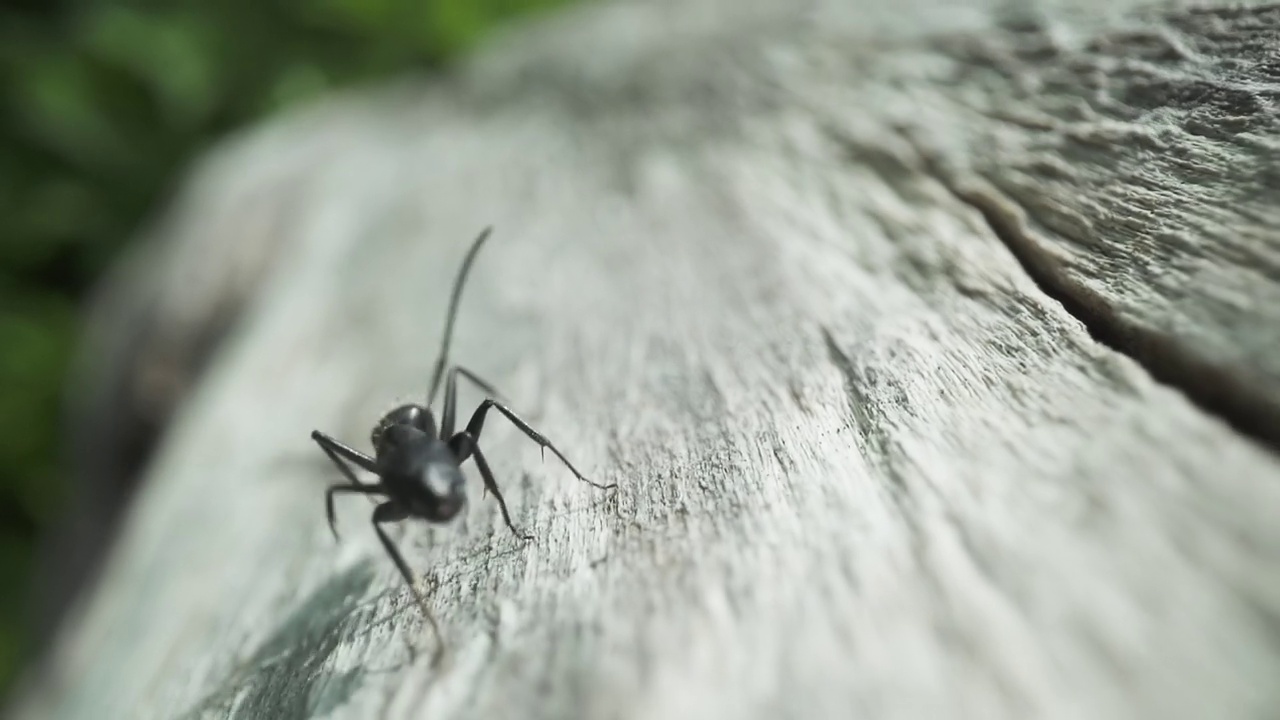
(154, 324)
(1138, 173)
(751, 266)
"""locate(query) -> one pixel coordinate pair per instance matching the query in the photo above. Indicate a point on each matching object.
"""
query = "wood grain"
(868, 464)
(1138, 169)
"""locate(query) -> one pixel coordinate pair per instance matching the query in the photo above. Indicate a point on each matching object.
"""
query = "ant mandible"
(419, 466)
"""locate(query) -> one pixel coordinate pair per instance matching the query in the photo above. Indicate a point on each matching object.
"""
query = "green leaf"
(36, 339)
(54, 104)
(173, 53)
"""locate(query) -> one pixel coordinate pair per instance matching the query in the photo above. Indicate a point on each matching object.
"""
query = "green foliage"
(101, 104)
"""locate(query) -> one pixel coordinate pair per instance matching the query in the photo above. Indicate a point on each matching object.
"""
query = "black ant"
(419, 468)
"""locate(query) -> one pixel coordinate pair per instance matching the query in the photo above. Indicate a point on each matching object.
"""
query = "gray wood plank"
(867, 466)
(1136, 173)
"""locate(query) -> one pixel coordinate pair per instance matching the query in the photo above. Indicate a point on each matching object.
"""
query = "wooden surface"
(933, 352)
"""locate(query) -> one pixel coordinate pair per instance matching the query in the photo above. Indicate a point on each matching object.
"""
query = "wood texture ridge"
(932, 348)
(1143, 162)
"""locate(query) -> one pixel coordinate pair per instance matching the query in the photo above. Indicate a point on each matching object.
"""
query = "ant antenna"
(453, 312)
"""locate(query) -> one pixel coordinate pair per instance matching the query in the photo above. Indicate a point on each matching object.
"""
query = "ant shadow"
(291, 674)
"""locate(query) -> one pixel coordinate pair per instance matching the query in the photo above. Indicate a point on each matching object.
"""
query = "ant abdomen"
(414, 416)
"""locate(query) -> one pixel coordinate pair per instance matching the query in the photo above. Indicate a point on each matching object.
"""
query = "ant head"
(415, 416)
(419, 470)
(436, 492)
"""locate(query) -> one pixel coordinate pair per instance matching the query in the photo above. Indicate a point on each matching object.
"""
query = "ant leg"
(463, 445)
(338, 452)
(477, 424)
(394, 512)
(450, 412)
(450, 405)
(453, 312)
(335, 489)
(485, 387)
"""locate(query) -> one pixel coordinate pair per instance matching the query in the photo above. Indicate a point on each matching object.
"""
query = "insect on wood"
(418, 464)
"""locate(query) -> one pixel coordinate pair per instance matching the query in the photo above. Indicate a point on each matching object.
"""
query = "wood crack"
(1216, 390)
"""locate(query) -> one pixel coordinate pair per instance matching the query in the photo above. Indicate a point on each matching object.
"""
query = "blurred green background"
(103, 104)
